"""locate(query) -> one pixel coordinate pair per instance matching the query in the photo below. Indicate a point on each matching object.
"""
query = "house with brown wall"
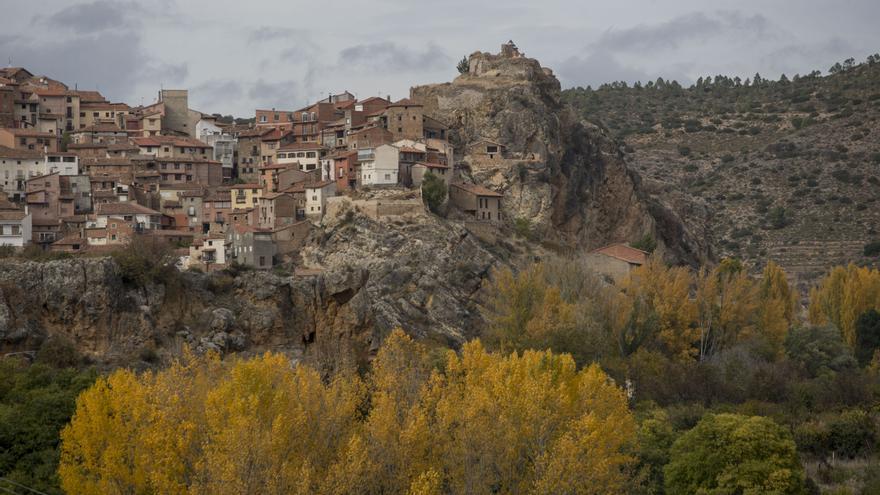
(483, 204)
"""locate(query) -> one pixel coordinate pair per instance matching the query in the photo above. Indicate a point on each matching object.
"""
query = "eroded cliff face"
(364, 278)
(565, 176)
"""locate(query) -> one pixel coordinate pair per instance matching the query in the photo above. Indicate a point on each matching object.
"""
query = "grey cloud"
(265, 34)
(391, 56)
(94, 17)
(216, 93)
(597, 68)
(686, 28)
(280, 94)
(110, 61)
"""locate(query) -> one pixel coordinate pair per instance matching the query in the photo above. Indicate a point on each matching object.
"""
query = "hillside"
(784, 170)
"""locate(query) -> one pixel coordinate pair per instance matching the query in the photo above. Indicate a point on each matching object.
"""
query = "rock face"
(567, 177)
(366, 277)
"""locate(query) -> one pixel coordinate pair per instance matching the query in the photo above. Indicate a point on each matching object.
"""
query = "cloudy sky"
(235, 56)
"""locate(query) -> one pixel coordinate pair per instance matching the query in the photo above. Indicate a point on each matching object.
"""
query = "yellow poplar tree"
(663, 292)
(101, 451)
(842, 296)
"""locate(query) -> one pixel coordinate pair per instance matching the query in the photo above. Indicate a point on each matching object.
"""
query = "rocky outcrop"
(565, 176)
(364, 278)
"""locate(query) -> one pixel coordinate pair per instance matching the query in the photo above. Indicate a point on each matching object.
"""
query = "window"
(16, 230)
(400, 129)
(387, 176)
(262, 260)
(263, 118)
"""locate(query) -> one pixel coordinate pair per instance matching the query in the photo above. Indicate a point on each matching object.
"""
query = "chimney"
(388, 97)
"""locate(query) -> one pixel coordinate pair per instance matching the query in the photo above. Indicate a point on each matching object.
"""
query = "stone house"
(404, 119)
(419, 170)
(484, 204)
(316, 198)
(485, 149)
(616, 261)
(208, 253)
(371, 136)
(250, 143)
(276, 177)
(291, 237)
(141, 217)
(15, 227)
(276, 210)
(28, 139)
(251, 246)
(100, 133)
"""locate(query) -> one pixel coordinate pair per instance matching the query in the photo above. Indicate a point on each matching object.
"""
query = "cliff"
(364, 278)
(564, 175)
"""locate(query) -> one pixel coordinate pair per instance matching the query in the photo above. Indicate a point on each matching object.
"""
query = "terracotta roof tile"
(624, 252)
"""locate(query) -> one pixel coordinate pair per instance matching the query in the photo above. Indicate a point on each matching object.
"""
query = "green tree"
(36, 401)
(462, 65)
(433, 191)
(734, 454)
(867, 336)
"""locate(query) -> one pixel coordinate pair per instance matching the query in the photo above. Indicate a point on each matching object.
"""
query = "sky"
(235, 56)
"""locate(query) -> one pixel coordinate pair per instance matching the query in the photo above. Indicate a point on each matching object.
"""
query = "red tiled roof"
(478, 190)
(246, 186)
(319, 185)
(624, 252)
(6, 152)
(409, 149)
(405, 102)
(124, 209)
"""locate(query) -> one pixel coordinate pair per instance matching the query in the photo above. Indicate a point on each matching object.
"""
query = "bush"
(872, 249)
(867, 336)
(731, 453)
(684, 150)
(523, 227)
(852, 433)
(647, 243)
(145, 261)
(818, 350)
(433, 192)
(778, 218)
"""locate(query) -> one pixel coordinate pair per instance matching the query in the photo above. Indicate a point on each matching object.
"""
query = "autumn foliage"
(680, 313)
(486, 423)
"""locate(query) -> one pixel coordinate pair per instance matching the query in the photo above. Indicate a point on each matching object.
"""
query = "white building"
(63, 163)
(16, 167)
(15, 228)
(316, 198)
(307, 155)
(379, 165)
(208, 132)
(208, 253)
